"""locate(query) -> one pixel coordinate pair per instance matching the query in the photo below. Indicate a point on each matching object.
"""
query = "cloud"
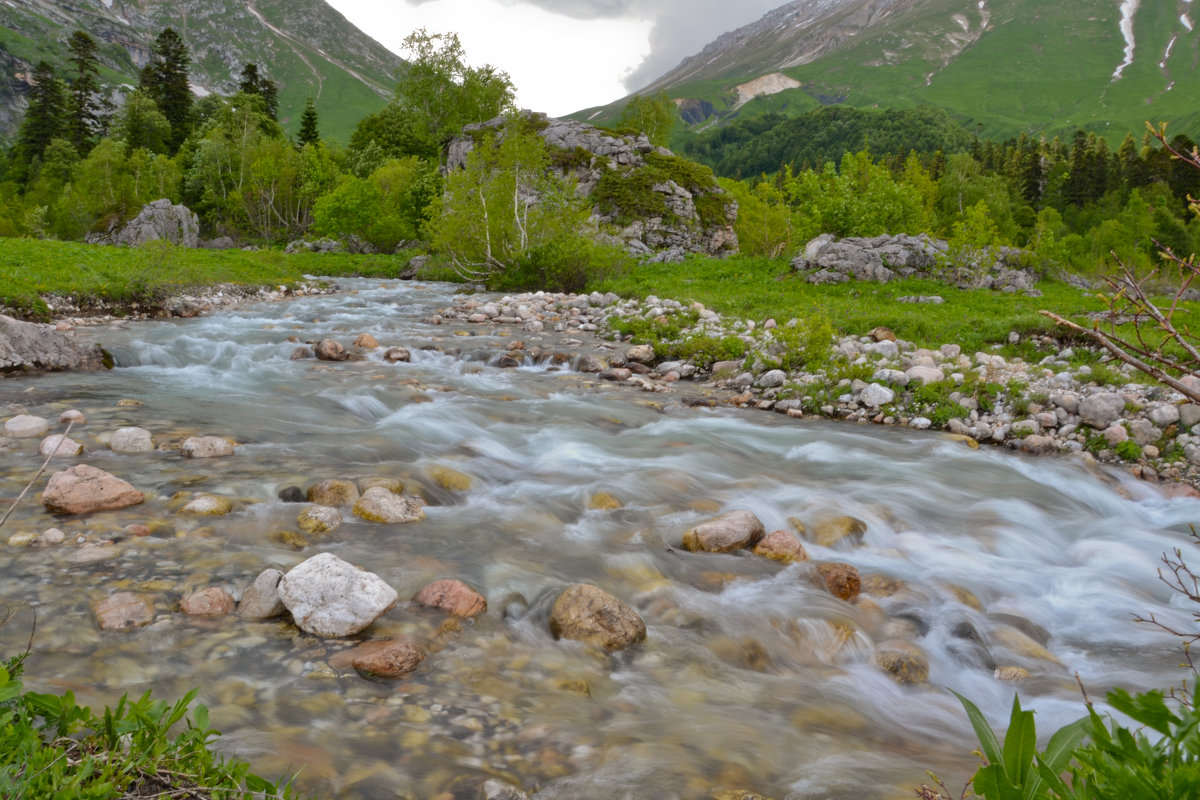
(679, 28)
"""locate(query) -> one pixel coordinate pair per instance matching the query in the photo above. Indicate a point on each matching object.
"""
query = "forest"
(79, 168)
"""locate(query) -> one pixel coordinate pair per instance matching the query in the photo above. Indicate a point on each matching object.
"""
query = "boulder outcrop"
(160, 220)
(32, 347)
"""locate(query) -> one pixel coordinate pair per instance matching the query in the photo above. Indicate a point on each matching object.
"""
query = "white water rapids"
(752, 676)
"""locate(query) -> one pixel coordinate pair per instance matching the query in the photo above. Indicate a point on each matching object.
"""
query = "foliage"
(386, 208)
(52, 747)
(86, 114)
(254, 83)
(653, 116)
(438, 93)
(309, 134)
(764, 223)
(861, 198)
(505, 215)
(629, 194)
(165, 80)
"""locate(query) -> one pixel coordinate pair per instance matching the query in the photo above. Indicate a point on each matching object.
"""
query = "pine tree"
(308, 124)
(254, 83)
(165, 80)
(43, 122)
(86, 108)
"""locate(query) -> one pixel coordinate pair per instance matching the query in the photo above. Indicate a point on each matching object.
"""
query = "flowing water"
(752, 676)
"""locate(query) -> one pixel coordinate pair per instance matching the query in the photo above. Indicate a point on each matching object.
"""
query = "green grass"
(31, 268)
(759, 289)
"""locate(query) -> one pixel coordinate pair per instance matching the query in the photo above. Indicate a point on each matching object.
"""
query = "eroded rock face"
(161, 220)
(31, 347)
(725, 534)
(83, 489)
(330, 597)
(589, 614)
(454, 597)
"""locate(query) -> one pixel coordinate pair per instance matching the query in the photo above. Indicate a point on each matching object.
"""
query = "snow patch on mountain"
(1128, 9)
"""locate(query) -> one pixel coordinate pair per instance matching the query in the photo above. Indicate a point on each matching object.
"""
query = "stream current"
(752, 676)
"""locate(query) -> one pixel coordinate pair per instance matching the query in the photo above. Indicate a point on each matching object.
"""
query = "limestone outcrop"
(32, 347)
(663, 206)
(160, 220)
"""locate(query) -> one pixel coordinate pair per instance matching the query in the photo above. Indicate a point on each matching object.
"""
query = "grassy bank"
(31, 269)
(759, 289)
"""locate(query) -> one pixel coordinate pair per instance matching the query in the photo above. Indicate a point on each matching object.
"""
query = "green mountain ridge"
(999, 67)
(305, 46)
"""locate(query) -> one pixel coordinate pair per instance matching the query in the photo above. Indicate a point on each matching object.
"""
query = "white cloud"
(559, 64)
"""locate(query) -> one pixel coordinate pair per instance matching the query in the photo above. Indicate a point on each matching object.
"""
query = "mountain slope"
(999, 66)
(305, 46)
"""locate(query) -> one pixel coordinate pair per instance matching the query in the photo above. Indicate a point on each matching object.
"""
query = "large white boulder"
(333, 598)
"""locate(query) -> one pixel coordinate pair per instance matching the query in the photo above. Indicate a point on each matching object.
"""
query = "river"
(752, 677)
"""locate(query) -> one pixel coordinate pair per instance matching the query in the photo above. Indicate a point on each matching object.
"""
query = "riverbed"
(1007, 573)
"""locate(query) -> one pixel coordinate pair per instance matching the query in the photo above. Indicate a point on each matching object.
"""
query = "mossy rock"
(449, 479)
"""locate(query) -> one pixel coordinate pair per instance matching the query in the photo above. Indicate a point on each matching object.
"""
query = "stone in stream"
(641, 354)
(333, 492)
(379, 505)
(123, 611)
(366, 341)
(589, 614)
(332, 598)
(725, 534)
(330, 350)
(319, 520)
(840, 580)
(782, 546)
(449, 479)
(394, 355)
(260, 600)
(386, 658)
(206, 447)
(73, 416)
(59, 446)
(131, 440)
(454, 597)
(903, 662)
(207, 505)
(83, 489)
(26, 426)
(210, 602)
(839, 531)
(292, 494)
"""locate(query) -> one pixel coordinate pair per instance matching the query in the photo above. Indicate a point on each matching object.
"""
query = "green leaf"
(1020, 744)
(992, 784)
(983, 731)
(1149, 709)
(1061, 747)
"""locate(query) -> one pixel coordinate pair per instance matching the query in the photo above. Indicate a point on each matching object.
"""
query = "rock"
(397, 354)
(83, 490)
(332, 598)
(1011, 674)
(1164, 415)
(260, 600)
(1101, 410)
(123, 611)
(319, 520)
(603, 501)
(366, 341)
(300, 353)
(25, 426)
(207, 505)
(454, 597)
(1038, 444)
(292, 494)
(330, 350)
(33, 347)
(59, 446)
(494, 789)
(875, 395)
(782, 546)
(211, 602)
(839, 530)
(724, 534)
(72, 416)
(589, 614)
(161, 221)
(640, 354)
(131, 440)
(882, 334)
(387, 658)
(379, 505)
(206, 447)
(905, 663)
(333, 492)
(449, 479)
(925, 374)
(841, 580)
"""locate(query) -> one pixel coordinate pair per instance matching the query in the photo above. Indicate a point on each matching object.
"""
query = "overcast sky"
(563, 55)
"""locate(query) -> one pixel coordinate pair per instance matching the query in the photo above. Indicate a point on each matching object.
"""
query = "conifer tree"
(165, 80)
(308, 125)
(86, 108)
(43, 122)
(254, 83)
